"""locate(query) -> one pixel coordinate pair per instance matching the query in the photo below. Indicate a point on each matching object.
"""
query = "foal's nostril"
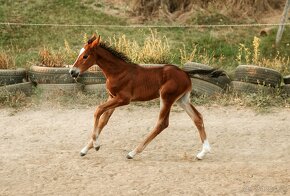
(74, 73)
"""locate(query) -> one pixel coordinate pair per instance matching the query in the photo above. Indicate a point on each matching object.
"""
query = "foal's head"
(86, 57)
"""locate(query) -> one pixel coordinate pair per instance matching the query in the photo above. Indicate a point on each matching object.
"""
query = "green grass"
(219, 45)
(26, 41)
(268, 48)
(215, 46)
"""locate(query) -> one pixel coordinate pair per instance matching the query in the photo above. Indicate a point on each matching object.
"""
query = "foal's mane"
(112, 50)
(115, 52)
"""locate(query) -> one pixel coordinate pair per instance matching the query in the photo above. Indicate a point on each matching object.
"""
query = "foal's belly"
(145, 93)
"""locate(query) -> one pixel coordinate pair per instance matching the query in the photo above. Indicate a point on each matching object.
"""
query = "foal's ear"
(96, 42)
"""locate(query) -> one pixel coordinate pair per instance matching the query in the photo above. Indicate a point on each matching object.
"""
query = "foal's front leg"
(103, 111)
(102, 123)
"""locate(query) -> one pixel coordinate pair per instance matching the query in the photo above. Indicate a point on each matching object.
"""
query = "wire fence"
(143, 26)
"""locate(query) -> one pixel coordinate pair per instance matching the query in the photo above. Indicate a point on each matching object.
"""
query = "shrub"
(51, 58)
(6, 61)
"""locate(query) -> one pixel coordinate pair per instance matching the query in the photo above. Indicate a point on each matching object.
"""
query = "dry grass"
(179, 9)
(260, 101)
(187, 57)
(70, 55)
(6, 61)
(154, 49)
(126, 46)
(51, 58)
(195, 55)
(253, 56)
(13, 100)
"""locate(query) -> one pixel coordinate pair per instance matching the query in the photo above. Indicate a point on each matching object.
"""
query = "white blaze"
(81, 52)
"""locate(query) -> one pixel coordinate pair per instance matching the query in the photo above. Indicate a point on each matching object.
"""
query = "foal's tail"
(215, 73)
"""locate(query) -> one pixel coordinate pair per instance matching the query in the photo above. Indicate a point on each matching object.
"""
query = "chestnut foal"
(128, 82)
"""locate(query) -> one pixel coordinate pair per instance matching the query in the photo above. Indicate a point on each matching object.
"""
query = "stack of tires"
(206, 85)
(53, 79)
(94, 82)
(12, 81)
(254, 79)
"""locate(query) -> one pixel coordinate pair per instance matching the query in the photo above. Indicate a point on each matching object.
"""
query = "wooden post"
(282, 22)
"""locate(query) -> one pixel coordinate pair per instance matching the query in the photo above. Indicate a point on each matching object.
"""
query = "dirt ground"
(40, 153)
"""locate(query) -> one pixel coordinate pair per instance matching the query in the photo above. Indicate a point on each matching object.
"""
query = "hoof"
(129, 157)
(199, 157)
(97, 148)
(82, 154)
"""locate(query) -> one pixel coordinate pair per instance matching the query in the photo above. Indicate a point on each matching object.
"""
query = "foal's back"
(149, 82)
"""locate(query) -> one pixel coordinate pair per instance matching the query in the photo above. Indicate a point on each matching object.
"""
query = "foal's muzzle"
(74, 72)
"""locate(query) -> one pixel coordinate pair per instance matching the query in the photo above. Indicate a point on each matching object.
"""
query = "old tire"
(201, 87)
(286, 89)
(189, 66)
(286, 79)
(25, 87)
(258, 75)
(8, 76)
(68, 88)
(244, 87)
(221, 81)
(97, 89)
(50, 75)
(92, 77)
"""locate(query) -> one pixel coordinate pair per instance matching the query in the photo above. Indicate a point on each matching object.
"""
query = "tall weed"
(154, 49)
(253, 56)
(196, 54)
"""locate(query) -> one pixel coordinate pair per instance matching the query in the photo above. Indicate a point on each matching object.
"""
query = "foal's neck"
(109, 63)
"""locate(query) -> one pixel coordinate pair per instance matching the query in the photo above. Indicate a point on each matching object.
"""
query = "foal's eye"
(85, 56)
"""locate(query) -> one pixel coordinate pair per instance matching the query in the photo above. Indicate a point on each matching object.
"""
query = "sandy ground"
(40, 153)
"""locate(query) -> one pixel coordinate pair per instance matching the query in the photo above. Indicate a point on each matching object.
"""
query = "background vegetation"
(216, 45)
(224, 47)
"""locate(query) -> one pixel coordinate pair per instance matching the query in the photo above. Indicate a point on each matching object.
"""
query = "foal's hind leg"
(162, 123)
(196, 117)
